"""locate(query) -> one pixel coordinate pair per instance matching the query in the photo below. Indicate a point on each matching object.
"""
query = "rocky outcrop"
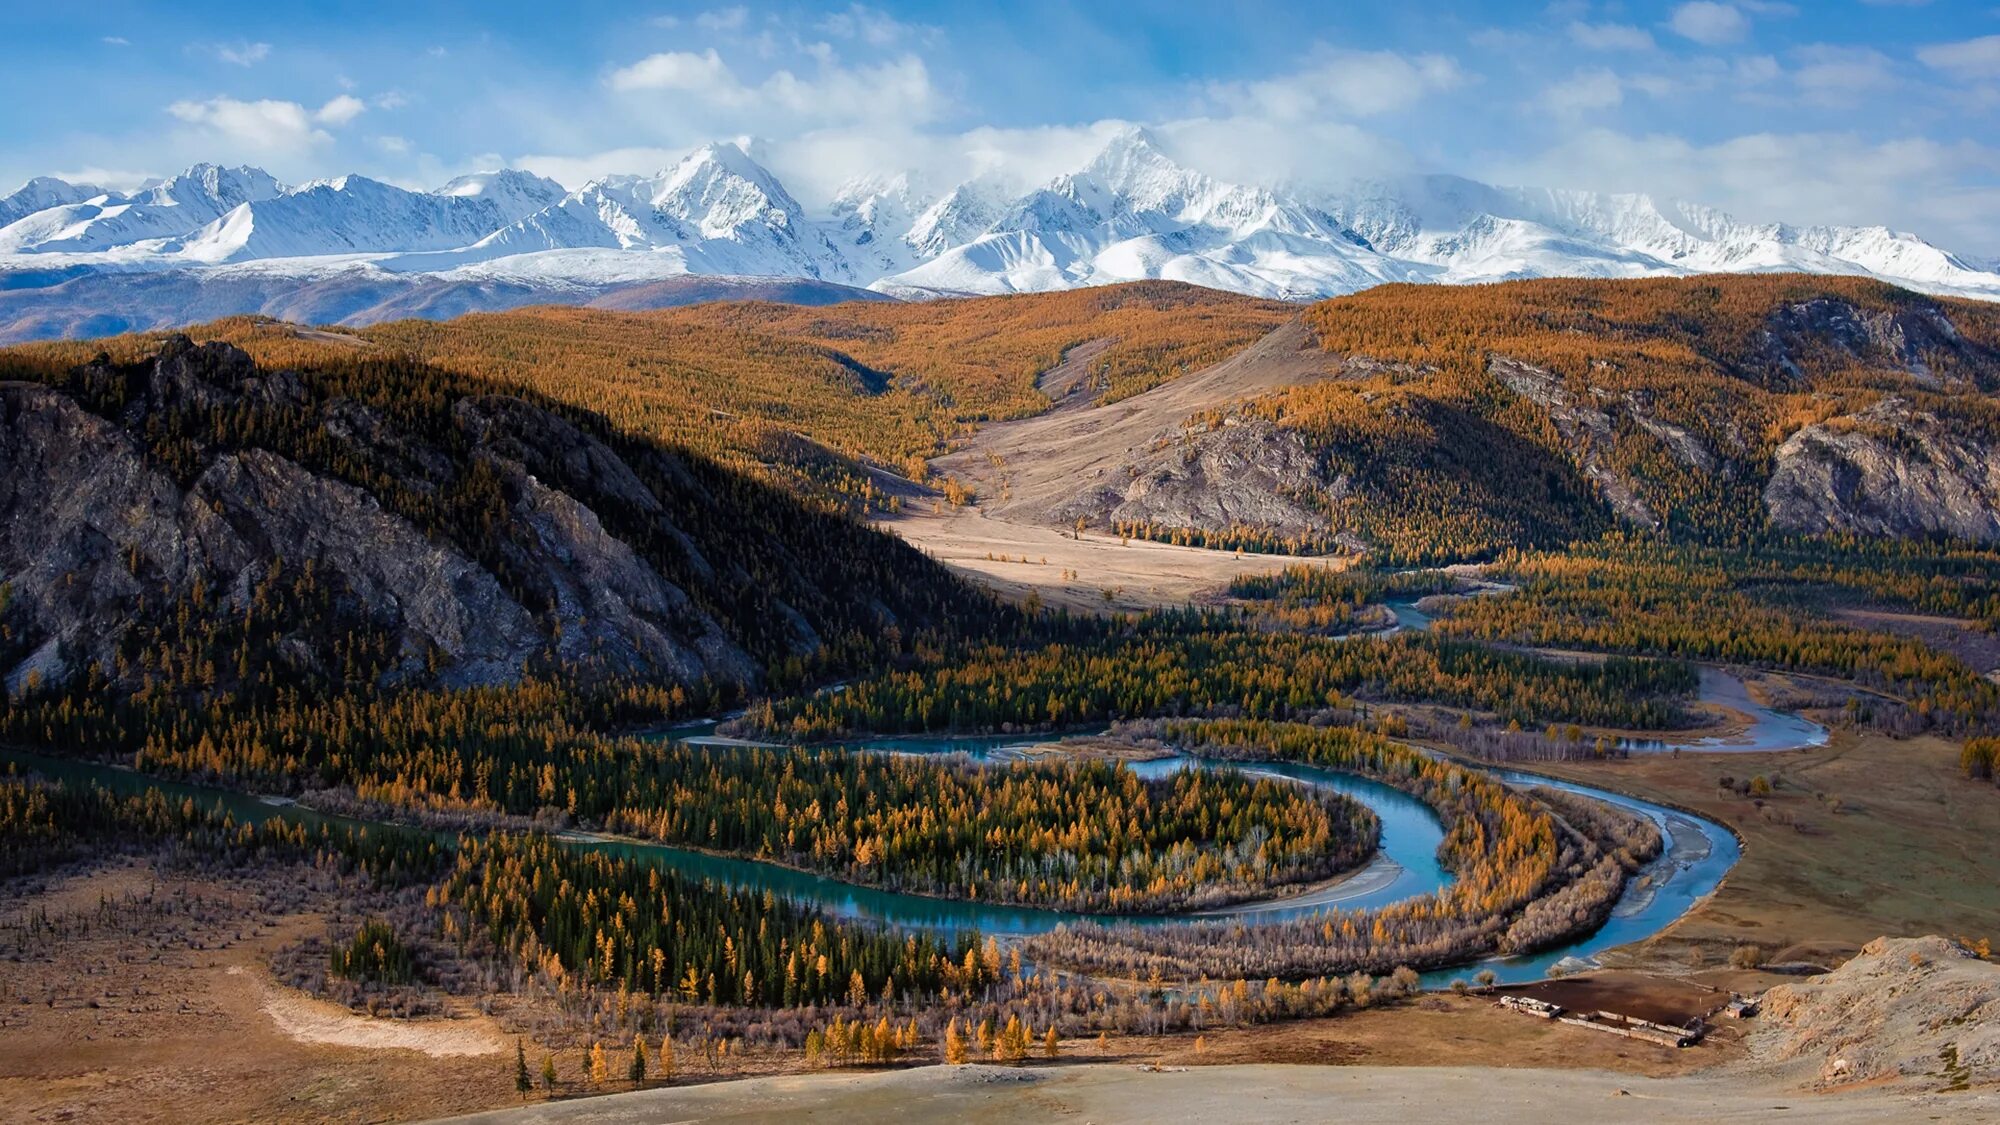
(249, 510)
(1910, 1009)
(1800, 338)
(1586, 426)
(1888, 470)
(119, 512)
(1245, 472)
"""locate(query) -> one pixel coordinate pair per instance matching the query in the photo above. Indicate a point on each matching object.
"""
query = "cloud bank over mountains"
(1837, 114)
(214, 241)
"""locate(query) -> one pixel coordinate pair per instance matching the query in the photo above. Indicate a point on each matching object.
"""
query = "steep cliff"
(1888, 470)
(194, 519)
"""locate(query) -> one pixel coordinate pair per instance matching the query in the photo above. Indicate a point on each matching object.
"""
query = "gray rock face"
(1888, 470)
(1585, 425)
(80, 511)
(99, 536)
(1901, 338)
(251, 508)
(1245, 473)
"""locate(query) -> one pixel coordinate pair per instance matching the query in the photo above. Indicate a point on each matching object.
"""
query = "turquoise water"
(1768, 730)
(1406, 866)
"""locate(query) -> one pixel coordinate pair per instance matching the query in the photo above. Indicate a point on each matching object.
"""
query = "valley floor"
(1859, 838)
(1095, 572)
(180, 1020)
(1265, 1092)
(173, 1018)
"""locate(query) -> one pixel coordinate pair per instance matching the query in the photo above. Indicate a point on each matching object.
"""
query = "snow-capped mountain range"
(235, 236)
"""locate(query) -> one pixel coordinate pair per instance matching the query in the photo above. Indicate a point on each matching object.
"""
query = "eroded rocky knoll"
(1918, 1010)
(1148, 458)
(468, 536)
(1891, 469)
(1540, 412)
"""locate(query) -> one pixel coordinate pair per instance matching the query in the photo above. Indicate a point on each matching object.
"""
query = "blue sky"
(1808, 110)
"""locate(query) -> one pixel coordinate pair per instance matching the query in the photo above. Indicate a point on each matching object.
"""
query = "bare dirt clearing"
(1262, 1092)
(1026, 470)
(315, 1021)
(1019, 559)
(152, 1016)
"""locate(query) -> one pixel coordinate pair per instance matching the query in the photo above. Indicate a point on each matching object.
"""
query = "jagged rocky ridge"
(235, 241)
(458, 534)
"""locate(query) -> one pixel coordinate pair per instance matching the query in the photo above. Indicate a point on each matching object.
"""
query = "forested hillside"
(742, 382)
(1449, 424)
(1709, 408)
(195, 523)
(1451, 421)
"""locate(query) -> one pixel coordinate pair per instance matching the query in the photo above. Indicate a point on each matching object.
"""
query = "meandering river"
(1764, 729)
(1699, 854)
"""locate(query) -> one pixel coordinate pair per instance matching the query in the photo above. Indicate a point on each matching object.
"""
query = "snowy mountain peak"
(1131, 155)
(956, 218)
(1128, 212)
(42, 193)
(501, 180)
(720, 189)
(215, 184)
(514, 193)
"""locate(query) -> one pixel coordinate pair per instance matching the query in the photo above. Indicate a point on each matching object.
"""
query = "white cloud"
(1340, 83)
(1504, 39)
(1234, 149)
(266, 128)
(874, 27)
(1757, 70)
(340, 110)
(897, 90)
(1838, 76)
(677, 70)
(1971, 58)
(575, 171)
(393, 145)
(117, 179)
(1610, 36)
(1584, 92)
(243, 54)
(267, 124)
(1709, 23)
(723, 19)
(116, 41)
